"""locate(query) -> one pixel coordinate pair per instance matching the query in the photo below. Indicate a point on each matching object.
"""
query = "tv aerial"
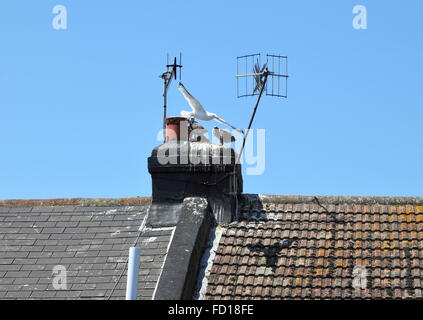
(257, 78)
(167, 78)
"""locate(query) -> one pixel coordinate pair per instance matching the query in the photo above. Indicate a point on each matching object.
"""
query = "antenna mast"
(167, 79)
(258, 75)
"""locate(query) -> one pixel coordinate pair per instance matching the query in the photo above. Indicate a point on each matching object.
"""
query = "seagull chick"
(198, 111)
(197, 132)
(197, 127)
(223, 135)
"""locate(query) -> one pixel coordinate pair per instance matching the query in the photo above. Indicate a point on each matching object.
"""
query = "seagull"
(198, 131)
(198, 128)
(223, 135)
(198, 110)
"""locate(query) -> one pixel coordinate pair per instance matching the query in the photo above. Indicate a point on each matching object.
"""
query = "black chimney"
(181, 168)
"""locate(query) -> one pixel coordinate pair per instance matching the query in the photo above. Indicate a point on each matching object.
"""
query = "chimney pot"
(177, 129)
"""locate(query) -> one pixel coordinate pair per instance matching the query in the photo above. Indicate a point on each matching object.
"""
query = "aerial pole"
(167, 79)
(264, 76)
(259, 82)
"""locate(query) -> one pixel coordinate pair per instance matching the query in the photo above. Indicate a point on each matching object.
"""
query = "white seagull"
(197, 127)
(198, 110)
(197, 132)
(223, 135)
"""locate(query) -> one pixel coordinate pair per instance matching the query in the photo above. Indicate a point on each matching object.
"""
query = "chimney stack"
(180, 169)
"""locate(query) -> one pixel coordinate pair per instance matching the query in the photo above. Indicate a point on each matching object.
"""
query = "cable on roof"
(141, 228)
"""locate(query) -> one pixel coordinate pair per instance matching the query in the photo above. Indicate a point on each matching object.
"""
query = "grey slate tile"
(112, 253)
(53, 230)
(41, 273)
(80, 218)
(9, 267)
(9, 230)
(64, 209)
(26, 280)
(64, 254)
(147, 293)
(18, 294)
(48, 261)
(13, 254)
(66, 224)
(26, 236)
(42, 209)
(46, 242)
(20, 209)
(69, 294)
(31, 267)
(76, 230)
(6, 280)
(95, 260)
(24, 261)
(60, 236)
(40, 254)
(27, 247)
(99, 279)
(93, 293)
(43, 294)
(88, 223)
(88, 253)
(66, 261)
(83, 286)
(33, 287)
(60, 248)
(16, 274)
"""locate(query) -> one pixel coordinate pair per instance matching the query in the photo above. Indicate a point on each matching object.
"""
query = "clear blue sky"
(81, 108)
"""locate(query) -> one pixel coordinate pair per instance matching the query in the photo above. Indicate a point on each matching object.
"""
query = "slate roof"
(89, 237)
(298, 247)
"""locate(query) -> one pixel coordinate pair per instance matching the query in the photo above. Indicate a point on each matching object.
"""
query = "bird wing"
(194, 103)
(186, 114)
(224, 135)
(226, 123)
(196, 125)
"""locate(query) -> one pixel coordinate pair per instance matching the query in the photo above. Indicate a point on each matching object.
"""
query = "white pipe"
(132, 279)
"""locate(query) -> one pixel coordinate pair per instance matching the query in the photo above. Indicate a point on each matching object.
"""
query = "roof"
(90, 238)
(279, 247)
(305, 247)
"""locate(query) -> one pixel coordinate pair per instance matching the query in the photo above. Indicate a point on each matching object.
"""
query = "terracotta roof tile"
(331, 249)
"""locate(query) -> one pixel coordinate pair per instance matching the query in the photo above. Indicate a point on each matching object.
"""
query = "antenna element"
(260, 78)
(167, 79)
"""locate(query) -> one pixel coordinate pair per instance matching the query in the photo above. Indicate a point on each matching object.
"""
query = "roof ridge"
(335, 200)
(80, 202)
(286, 199)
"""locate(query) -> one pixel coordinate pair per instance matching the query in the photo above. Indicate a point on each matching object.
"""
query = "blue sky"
(81, 108)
